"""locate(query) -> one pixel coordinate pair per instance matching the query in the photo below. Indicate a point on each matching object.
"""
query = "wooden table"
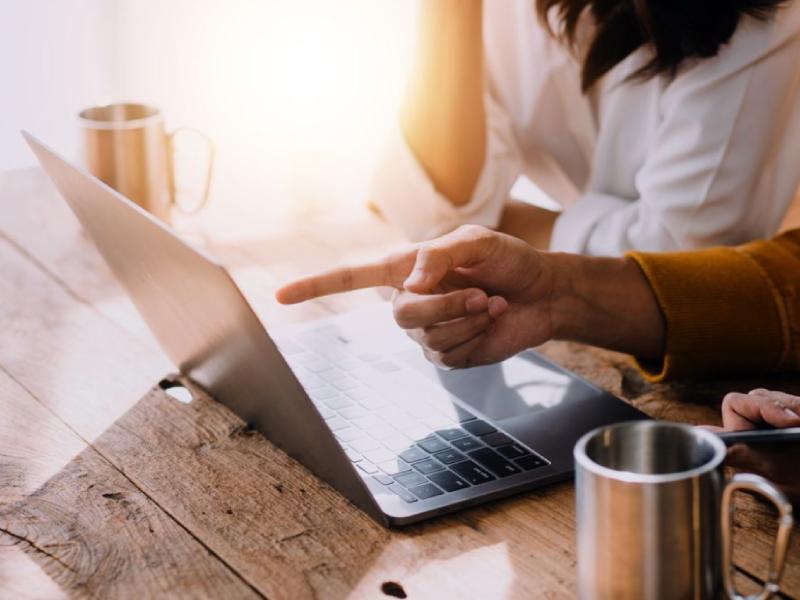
(106, 493)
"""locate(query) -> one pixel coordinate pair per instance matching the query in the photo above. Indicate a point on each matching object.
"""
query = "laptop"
(350, 397)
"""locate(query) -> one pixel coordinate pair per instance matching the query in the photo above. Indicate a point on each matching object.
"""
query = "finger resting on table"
(740, 411)
(745, 411)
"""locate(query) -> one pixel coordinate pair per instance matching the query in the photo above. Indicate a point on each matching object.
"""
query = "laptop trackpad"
(518, 386)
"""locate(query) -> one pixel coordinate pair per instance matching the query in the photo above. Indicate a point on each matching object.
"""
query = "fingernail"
(497, 306)
(791, 413)
(476, 302)
(759, 391)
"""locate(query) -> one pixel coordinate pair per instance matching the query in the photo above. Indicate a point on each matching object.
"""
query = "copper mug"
(127, 147)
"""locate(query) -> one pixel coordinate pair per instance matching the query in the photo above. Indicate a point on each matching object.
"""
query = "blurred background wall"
(55, 58)
(297, 94)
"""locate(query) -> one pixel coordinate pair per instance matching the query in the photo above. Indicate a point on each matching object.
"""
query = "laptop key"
(472, 472)
(336, 423)
(435, 421)
(452, 434)
(427, 466)
(467, 444)
(348, 434)
(287, 346)
(414, 430)
(367, 467)
(348, 364)
(494, 462)
(308, 358)
(426, 490)
(346, 384)
(448, 481)
(402, 492)
(325, 412)
(352, 412)
(312, 383)
(383, 479)
(382, 433)
(410, 479)
(531, 462)
(322, 393)
(396, 442)
(432, 444)
(450, 456)
(464, 416)
(367, 422)
(364, 444)
(378, 455)
(496, 439)
(372, 401)
(394, 467)
(359, 393)
(352, 455)
(338, 402)
(413, 454)
(385, 366)
(478, 427)
(331, 374)
(514, 450)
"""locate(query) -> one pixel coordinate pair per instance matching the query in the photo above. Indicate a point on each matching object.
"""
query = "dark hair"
(676, 30)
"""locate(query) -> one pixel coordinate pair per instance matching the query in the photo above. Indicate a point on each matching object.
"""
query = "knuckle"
(451, 304)
(434, 342)
(731, 398)
(425, 253)
(415, 334)
(451, 361)
(403, 313)
(433, 357)
(470, 230)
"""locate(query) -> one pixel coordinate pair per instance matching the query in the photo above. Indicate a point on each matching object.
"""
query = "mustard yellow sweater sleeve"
(728, 310)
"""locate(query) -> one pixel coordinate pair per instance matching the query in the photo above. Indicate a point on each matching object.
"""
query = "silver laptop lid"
(204, 324)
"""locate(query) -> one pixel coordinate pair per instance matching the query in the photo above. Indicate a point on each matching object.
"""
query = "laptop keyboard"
(418, 447)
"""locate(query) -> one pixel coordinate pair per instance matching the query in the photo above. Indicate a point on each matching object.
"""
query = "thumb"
(462, 248)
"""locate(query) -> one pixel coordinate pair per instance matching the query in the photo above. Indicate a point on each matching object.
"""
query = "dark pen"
(761, 436)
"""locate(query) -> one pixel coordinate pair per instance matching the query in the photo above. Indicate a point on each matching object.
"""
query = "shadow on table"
(195, 468)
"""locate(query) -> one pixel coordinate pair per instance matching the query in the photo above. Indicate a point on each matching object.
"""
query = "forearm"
(529, 223)
(606, 302)
(443, 115)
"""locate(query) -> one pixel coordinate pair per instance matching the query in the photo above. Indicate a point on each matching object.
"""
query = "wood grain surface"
(110, 490)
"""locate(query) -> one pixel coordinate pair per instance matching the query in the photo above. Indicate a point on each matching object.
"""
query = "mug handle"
(759, 485)
(209, 169)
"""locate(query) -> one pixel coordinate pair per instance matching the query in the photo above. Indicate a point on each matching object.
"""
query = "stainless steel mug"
(128, 148)
(654, 512)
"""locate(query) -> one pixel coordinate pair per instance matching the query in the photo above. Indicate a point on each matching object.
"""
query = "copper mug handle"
(762, 487)
(209, 169)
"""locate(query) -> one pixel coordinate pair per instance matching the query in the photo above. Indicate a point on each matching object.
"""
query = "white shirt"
(709, 157)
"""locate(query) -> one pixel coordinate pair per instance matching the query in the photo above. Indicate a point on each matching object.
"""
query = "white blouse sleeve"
(722, 124)
(405, 195)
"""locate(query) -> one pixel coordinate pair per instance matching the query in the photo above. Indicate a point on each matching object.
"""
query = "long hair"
(675, 30)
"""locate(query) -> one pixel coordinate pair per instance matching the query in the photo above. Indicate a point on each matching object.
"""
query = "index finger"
(389, 271)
